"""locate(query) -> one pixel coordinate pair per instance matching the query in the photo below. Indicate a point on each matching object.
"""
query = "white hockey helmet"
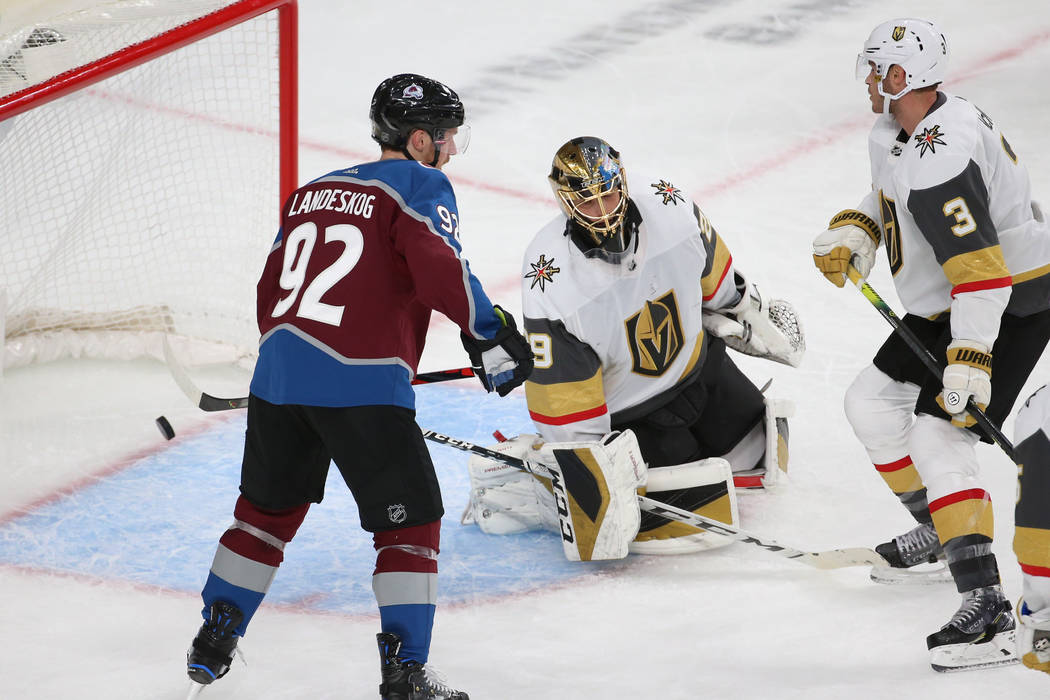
(916, 45)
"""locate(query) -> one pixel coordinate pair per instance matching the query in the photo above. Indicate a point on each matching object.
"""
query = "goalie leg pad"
(761, 458)
(704, 487)
(595, 494)
(776, 458)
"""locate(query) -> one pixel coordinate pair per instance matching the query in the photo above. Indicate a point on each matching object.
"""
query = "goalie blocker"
(591, 498)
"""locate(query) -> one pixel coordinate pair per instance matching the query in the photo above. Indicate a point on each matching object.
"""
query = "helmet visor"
(453, 140)
(865, 64)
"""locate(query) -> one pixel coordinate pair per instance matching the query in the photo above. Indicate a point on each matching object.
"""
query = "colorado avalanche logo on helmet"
(413, 92)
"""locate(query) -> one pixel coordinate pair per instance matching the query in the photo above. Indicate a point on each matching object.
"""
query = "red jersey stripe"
(995, 283)
(570, 418)
(725, 271)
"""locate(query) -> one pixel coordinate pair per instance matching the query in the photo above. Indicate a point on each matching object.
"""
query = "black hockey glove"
(505, 361)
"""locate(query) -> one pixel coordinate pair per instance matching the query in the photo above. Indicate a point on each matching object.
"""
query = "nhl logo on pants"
(396, 513)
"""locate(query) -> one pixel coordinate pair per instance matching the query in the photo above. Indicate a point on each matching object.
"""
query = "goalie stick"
(207, 402)
(927, 358)
(830, 559)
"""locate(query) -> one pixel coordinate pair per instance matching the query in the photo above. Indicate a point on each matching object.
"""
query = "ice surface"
(106, 530)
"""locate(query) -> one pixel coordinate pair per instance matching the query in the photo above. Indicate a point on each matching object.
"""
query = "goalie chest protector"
(626, 332)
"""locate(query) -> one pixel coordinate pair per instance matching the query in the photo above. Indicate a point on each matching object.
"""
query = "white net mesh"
(145, 202)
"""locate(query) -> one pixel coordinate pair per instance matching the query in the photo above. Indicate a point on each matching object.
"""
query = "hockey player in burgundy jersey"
(362, 257)
(970, 255)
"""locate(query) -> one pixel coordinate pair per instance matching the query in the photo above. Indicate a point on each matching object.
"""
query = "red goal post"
(145, 150)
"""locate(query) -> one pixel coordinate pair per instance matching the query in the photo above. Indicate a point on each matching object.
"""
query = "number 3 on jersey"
(298, 246)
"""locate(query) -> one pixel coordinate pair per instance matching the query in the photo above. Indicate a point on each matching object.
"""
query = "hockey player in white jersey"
(617, 292)
(969, 252)
(1032, 529)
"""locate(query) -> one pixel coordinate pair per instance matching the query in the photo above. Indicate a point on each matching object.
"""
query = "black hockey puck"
(165, 428)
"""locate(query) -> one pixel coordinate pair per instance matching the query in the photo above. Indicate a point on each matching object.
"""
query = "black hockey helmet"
(406, 102)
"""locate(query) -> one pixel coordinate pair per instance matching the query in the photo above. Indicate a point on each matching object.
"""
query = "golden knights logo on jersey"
(543, 272)
(929, 139)
(670, 193)
(654, 336)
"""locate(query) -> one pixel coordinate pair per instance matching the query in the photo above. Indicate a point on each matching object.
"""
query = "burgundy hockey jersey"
(362, 257)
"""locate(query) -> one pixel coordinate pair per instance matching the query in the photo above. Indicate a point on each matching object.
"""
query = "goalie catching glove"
(969, 373)
(502, 362)
(767, 328)
(852, 238)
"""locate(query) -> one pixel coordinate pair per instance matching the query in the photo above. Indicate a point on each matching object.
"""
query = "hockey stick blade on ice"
(927, 358)
(206, 402)
(830, 559)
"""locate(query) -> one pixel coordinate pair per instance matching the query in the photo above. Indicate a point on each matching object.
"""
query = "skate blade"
(195, 690)
(919, 575)
(998, 651)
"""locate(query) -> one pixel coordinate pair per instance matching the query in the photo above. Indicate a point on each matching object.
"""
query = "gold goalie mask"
(588, 182)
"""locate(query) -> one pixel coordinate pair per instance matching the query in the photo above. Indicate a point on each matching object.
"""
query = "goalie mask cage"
(146, 147)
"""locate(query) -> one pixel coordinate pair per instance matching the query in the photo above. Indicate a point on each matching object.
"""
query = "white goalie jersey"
(608, 338)
(955, 210)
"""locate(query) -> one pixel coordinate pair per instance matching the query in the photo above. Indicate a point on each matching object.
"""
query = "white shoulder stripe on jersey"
(327, 349)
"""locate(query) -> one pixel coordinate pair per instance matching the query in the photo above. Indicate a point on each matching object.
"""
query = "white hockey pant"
(881, 412)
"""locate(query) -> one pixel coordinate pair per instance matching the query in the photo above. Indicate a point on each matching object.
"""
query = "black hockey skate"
(908, 553)
(409, 680)
(211, 652)
(980, 634)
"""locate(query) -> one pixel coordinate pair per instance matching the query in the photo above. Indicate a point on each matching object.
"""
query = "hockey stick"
(831, 559)
(927, 358)
(443, 375)
(207, 402)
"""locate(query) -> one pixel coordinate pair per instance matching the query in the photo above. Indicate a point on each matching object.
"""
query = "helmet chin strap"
(886, 99)
(437, 151)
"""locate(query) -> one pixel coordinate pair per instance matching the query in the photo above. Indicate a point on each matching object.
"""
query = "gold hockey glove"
(851, 236)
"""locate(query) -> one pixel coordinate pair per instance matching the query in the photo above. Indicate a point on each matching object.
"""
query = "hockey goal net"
(145, 148)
